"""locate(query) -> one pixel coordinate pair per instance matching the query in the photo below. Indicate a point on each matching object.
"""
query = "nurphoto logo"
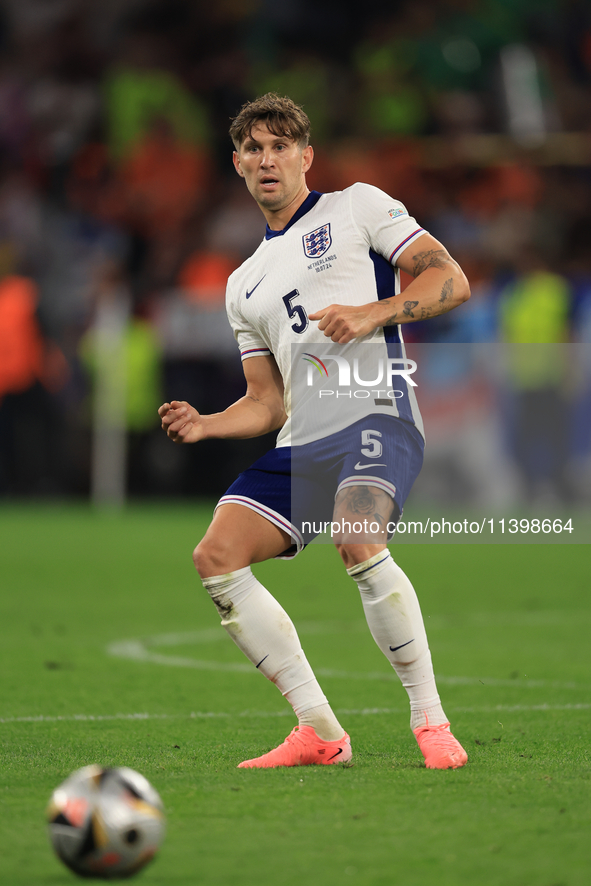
(346, 376)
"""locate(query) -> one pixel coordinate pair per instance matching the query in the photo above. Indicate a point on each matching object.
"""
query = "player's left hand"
(343, 323)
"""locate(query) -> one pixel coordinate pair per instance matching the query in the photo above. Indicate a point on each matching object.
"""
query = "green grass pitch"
(112, 653)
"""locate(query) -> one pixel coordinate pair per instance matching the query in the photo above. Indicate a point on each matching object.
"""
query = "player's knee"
(354, 554)
(215, 555)
(199, 558)
(348, 555)
(206, 558)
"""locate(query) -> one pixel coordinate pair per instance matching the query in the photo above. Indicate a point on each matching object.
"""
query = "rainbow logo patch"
(317, 362)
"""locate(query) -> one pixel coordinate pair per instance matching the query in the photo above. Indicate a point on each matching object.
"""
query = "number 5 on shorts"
(375, 448)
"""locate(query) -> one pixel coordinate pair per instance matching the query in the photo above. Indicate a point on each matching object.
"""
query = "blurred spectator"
(536, 306)
(235, 224)
(138, 91)
(123, 357)
(311, 80)
(15, 121)
(391, 99)
(579, 262)
(31, 369)
(203, 278)
(21, 217)
(163, 180)
(535, 313)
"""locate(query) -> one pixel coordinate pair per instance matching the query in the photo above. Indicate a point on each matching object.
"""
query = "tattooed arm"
(439, 285)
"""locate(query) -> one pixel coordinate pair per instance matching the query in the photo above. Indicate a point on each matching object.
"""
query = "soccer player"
(278, 298)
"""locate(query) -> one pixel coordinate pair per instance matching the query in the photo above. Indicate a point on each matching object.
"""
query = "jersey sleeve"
(383, 222)
(249, 340)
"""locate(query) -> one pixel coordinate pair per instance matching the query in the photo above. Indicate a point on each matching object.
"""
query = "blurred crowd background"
(121, 217)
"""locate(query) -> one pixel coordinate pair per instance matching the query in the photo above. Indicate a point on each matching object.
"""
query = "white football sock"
(262, 629)
(395, 620)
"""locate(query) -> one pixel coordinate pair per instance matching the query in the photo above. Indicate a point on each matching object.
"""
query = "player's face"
(274, 168)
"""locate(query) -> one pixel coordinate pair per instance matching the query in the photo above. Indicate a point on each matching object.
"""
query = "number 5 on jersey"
(296, 311)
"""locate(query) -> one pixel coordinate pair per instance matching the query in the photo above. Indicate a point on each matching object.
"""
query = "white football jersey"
(338, 248)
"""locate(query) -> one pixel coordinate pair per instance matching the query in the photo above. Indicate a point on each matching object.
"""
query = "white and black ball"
(106, 822)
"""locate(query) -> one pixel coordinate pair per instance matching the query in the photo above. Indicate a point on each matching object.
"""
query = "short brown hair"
(280, 114)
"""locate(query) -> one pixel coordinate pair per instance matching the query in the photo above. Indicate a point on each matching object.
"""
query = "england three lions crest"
(317, 242)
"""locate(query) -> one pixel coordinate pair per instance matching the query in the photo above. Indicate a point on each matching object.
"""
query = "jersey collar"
(310, 201)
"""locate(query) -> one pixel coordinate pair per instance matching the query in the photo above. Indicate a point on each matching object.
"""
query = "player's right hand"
(182, 423)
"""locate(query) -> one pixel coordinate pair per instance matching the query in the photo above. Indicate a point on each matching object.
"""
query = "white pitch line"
(138, 650)
(145, 648)
(208, 715)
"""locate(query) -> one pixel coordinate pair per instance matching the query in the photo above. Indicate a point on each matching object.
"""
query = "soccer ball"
(105, 822)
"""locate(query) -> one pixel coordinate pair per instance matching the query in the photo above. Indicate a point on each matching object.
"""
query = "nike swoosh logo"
(359, 466)
(340, 751)
(396, 648)
(248, 294)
